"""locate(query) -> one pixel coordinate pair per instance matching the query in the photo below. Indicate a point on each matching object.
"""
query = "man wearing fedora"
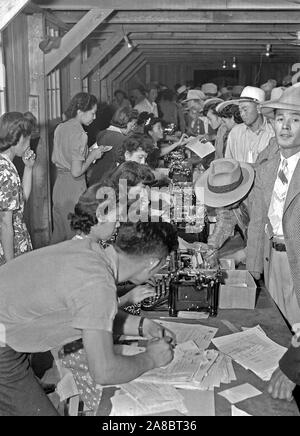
(248, 139)
(225, 186)
(274, 230)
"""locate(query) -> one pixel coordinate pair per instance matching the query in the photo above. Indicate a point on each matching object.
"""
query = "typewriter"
(186, 284)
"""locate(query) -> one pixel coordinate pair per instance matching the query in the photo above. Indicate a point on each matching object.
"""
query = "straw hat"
(251, 94)
(276, 93)
(225, 182)
(289, 100)
(224, 104)
(209, 89)
(194, 94)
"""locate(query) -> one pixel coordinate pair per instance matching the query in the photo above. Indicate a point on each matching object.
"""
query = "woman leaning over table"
(72, 159)
(15, 132)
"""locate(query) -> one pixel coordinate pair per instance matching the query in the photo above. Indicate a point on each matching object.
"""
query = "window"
(2, 79)
(54, 85)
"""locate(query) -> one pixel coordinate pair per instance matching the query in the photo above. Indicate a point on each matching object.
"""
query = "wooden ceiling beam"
(72, 17)
(206, 36)
(171, 4)
(202, 17)
(210, 42)
(110, 65)
(126, 64)
(208, 49)
(100, 54)
(75, 36)
(132, 70)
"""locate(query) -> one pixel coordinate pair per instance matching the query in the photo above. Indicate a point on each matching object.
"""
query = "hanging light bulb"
(126, 39)
(234, 62)
(224, 66)
(268, 50)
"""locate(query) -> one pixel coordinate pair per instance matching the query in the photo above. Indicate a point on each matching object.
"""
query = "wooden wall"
(172, 73)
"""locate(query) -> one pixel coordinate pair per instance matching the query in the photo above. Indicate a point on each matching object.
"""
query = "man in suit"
(274, 230)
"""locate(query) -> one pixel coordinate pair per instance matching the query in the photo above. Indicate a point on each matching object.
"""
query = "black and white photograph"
(149, 210)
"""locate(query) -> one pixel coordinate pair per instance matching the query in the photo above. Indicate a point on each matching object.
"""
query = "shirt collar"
(262, 128)
(292, 160)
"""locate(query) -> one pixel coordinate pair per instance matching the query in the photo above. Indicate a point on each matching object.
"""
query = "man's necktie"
(282, 174)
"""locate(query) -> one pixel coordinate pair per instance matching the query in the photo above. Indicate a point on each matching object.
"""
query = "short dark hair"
(147, 238)
(232, 110)
(13, 125)
(131, 171)
(121, 117)
(120, 91)
(81, 101)
(147, 121)
(84, 216)
(133, 143)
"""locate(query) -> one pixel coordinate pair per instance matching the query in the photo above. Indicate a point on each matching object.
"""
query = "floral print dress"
(12, 199)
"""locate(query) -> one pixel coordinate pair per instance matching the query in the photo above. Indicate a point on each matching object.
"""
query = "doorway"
(219, 77)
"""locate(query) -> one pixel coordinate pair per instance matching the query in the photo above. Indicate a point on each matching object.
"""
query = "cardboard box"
(239, 290)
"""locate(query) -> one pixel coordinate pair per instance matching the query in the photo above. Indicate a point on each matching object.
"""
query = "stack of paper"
(253, 350)
(154, 398)
(221, 371)
(216, 370)
(187, 360)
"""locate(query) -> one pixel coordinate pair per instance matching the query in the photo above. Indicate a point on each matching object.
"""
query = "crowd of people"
(69, 291)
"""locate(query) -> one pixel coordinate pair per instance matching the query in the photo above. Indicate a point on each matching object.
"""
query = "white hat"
(225, 182)
(289, 99)
(212, 100)
(276, 93)
(209, 88)
(194, 94)
(224, 104)
(252, 94)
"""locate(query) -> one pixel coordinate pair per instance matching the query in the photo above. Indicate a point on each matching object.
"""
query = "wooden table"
(267, 315)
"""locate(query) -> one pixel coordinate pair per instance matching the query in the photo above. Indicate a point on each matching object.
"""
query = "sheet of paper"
(257, 326)
(200, 334)
(202, 149)
(199, 403)
(235, 411)
(124, 405)
(154, 396)
(240, 393)
(67, 387)
(253, 350)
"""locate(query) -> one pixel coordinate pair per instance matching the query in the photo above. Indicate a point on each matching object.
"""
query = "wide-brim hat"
(210, 89)
(251, 94)
(213, 100)
(225, 182)
(194, 94)
(276, 93)
(224, 104)
(289, 100)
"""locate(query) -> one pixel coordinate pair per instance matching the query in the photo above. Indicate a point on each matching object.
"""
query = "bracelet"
(140, 328)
